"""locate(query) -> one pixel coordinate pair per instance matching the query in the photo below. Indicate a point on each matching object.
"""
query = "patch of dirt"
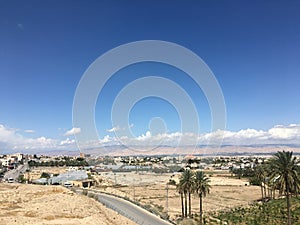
(35, 204)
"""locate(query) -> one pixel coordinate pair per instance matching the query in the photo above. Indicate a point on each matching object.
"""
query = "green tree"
(45, 175)
(186, 182)
(21, 178)
(179, 188)
(284, 170)
(202, 188)
(260, 174)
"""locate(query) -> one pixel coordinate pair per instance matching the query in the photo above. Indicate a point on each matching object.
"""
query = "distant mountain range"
(121, 150)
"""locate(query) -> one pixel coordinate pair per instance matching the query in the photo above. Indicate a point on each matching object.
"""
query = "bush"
(21, 178)
(172, 182)
(272, 212)
(45, 175)
(254, 181)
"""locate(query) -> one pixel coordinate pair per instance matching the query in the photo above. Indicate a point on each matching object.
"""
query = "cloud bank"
(279, 134)
(12, 140)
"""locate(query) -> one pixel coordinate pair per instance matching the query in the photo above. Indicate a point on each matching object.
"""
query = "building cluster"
(11, 161)
(173, 163)
(85, 170)
(237, 162)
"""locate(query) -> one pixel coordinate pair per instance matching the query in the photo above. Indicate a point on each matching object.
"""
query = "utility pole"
(167, 200)
(133, 190)
(28, 177)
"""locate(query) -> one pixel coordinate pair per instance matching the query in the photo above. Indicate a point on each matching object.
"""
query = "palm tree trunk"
(262, 191)
(265, 189)
(201, 210)
(185, 204)
(182, 205)
(190, 205)
(288, 205)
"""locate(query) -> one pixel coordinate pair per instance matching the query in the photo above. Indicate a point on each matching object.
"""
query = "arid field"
(35, 204)
(226, 192)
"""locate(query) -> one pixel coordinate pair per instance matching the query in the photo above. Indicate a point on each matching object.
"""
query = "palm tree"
(202, 188)
(180, 190)
(270, 181)
(186, 183)
(260, 174)
(183, 192)
(285, 169)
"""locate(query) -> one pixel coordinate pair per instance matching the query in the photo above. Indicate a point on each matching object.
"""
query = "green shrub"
(270, 213)
(254, 181)
(45, 175)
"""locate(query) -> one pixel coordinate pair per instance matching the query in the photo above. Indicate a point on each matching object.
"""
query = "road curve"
(130, 210)
(14, 174)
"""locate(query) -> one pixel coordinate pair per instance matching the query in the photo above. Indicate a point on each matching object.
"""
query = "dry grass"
(69, 216)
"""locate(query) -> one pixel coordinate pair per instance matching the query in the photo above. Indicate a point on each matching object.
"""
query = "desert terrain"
(35, 204)
(149, 188)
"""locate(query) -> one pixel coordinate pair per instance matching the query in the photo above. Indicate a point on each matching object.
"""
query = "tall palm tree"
(260, 174)
(284, 167)
(269, 180)
(181, 191)
(202, 188)
(186, 182)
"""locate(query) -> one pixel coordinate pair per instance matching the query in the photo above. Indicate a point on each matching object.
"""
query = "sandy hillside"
(34, 204)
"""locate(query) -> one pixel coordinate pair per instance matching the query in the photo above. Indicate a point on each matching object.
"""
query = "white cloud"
(12, 139)
(277, 135)
(6, 133)
(144, 137)
(29, 131)
(113, 129)
(106, 139)
(289, 132)
(117, 128)
(67, 141)
(73, 131)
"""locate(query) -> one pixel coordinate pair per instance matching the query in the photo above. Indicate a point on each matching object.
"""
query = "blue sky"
(252, 47)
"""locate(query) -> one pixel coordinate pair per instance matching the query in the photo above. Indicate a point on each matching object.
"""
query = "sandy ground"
(220, 198)
(226, 192)
(34, 204)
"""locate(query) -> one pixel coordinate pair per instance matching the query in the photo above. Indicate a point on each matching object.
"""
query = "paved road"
(131, 211)
(16, 172)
